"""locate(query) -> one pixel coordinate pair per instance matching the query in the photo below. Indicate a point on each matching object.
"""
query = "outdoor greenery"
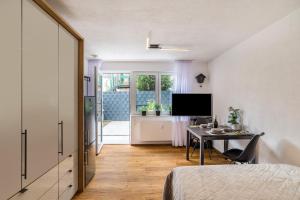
(147, 82)
(166, 82)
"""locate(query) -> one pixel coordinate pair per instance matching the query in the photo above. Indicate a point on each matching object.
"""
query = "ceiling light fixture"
(162, 47)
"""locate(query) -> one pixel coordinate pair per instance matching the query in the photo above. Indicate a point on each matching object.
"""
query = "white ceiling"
(117, 29)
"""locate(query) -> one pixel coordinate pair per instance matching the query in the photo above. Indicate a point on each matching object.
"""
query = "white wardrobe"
(38, 104)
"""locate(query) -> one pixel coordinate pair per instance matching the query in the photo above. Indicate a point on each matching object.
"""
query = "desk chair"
(244, 156)
(195, 140)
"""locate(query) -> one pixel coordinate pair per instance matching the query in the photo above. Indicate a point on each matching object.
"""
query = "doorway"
(116, 108)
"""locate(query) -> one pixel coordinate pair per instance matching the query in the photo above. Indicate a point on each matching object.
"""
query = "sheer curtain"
(183, 84)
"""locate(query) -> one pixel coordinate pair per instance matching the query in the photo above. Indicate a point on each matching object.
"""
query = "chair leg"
(194, 148)
(209, 149)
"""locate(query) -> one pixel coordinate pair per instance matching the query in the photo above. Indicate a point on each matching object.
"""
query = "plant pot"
(236, 127)
(157, 113)
(144, 113)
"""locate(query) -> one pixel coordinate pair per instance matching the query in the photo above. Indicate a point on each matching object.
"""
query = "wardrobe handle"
(61, 137)
(25, 155)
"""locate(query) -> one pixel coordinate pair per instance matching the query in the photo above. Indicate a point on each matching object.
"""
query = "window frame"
(158, 90)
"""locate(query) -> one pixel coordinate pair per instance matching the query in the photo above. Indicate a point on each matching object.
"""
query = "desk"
(203, 136)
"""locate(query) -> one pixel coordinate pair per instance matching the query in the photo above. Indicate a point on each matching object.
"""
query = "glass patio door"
(116, 108)
(99, 107)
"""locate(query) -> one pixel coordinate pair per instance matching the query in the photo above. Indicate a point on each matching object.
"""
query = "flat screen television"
(192, 105)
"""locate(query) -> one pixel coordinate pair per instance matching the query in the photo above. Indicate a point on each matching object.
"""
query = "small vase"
(144, 113)
(157, 113)
(236, 127)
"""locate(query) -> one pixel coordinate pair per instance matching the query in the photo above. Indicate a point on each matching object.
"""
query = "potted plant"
(157, 109)
(151, 105)
(144, 110)
(234, 118)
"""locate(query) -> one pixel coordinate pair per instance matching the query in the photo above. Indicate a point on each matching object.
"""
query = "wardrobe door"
(67, 93)
(10, 101)
(40, 93)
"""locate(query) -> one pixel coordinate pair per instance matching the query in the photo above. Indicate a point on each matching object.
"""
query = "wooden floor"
(137, 172)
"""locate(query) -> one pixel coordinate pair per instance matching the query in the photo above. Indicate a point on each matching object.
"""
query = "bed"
(233, 182)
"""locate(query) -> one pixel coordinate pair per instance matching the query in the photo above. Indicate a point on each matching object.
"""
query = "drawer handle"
(70, 156)
(70, 171)
(70, 186)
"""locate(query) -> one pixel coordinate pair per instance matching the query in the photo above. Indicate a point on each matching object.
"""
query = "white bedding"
(234, 182)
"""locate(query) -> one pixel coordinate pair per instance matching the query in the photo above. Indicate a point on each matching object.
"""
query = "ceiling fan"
(162, 47)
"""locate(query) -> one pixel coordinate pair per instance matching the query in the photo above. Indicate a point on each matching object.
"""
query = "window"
(117, 82)
(166, 90)
(152, 88)
(145, 90)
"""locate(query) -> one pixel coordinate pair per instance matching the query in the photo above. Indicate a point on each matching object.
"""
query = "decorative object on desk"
(157, 109)
(216, 131)
(144, 111)
(228, 130)
(200, 79)
(210, 125)
(203, 126)
(216, 124)
(234, 118)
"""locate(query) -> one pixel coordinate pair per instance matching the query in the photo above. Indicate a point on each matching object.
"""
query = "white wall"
(159, 66)
(261, 76)
(130, 66)
(197, 68)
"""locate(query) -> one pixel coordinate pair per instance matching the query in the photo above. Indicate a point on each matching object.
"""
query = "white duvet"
(234, 182)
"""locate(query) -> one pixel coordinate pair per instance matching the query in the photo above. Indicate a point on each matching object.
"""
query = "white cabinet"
(38, 83)
(10, 98)
(151, 129)
(68, 56)
(42, 186)
(68, 176)
(68, 173)
(52, 186)
(39, 90)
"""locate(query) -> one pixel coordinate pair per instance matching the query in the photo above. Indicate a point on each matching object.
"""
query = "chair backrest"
(249, 152)
(203, 120)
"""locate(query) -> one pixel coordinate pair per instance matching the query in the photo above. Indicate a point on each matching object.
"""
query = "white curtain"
(183, 84)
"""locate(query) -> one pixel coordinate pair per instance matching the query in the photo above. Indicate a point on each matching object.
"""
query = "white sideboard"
(151, 129)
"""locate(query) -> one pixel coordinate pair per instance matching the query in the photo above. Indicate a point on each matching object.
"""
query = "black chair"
(244, 156)
(207, 145)
(195, 140)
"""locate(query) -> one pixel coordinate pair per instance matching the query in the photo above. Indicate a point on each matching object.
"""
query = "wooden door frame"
(48, 9)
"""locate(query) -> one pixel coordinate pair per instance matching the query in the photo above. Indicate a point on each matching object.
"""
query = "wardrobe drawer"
(39, 187)
(52, 194)
(66, 182)
(66, 165)
(68, 193)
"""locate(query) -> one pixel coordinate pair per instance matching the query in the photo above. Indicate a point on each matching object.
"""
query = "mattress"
(233, 182)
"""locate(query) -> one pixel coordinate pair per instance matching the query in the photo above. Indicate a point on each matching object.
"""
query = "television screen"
(192, 104)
